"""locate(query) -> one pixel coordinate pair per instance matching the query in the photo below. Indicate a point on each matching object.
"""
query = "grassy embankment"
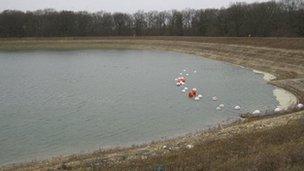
(265, 143)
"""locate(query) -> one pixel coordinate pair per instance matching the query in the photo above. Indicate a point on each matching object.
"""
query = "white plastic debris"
(186, 88)
(184, 91)
(277, 109)
(218, 108)
(300, 106)
(184, 70)
(256, 112)
(194, 71)
(178, 84)
(187, 74)
(175, 79)
(214, 98)
(180, 73)
(221, 105)
(189, 146)
(164, 147)
(237, 107)
(200, 96)
(196, 98)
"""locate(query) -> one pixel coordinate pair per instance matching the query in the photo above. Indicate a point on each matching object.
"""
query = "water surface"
(63, 102)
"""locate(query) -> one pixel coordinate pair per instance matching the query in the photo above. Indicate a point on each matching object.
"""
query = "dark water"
(62, 102)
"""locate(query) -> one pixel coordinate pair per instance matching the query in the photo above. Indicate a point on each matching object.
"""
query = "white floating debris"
(178, 84)
(194, 89)
(214, 98)
(184, 70)
(180, 73)
(176, 79)
(189, 146)
(237, 107)
(277, 109)
(256, 112)
(200, 96)
(300, 105)
(218, 108)
(184, 91)
(196, 98)
(221, 105)
(164, 147)
(194, 71)
(187, 74)
(186, 88)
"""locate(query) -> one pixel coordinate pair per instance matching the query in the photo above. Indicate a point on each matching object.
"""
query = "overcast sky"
(115, 5)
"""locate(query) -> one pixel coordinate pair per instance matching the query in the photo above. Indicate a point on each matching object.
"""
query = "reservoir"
(64, 102)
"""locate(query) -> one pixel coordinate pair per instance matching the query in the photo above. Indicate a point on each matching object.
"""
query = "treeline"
(274, 18)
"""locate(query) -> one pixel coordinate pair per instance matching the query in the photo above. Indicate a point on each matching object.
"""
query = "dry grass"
(280, 148)
(281, 43)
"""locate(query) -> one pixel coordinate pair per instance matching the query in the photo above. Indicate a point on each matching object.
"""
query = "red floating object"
(190, 95)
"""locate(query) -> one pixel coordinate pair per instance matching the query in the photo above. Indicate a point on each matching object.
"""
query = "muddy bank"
(286, 65)
(266, 76)
(286, 99)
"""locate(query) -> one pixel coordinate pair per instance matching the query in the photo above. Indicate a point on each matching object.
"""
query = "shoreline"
(266, 76)
(285, 98)
(157, 147)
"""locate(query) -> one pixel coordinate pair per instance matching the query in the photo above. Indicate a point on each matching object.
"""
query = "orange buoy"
(191, 95)
(194, 91)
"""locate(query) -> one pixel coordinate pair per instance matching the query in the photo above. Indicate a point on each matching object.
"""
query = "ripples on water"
(63, 102)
